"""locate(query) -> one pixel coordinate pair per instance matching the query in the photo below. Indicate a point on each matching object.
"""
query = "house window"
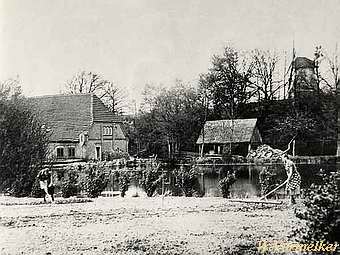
(71, 152)
(60, 152)
(107, 131)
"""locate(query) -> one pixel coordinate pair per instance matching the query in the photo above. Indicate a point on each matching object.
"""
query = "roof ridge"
(232, 119)
(221, 131)
(60, 95)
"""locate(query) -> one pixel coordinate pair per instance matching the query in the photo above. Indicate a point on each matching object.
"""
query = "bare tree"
(330, 77)
(114, 98)
(265, 81)
(87, 82)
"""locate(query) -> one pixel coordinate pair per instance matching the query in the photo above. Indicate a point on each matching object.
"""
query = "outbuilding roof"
(228, 131)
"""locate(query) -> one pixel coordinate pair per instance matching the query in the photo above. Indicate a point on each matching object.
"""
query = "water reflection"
(247, 184)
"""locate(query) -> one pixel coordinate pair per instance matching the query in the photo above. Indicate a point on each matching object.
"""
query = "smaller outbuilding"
(221, 136)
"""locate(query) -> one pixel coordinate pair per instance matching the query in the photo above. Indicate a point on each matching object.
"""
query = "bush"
(266, 180)
(150, 179)
(37, 192)
(320, 216)
(21, 187)
(187, 182)
(227, 158)
(112, 155)
(124, 182)
(225, 184)
(23, 141)
(207, 161)
(69, 185)
(95, 181)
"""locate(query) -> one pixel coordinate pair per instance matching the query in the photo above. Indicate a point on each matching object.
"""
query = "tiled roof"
(226, 131)
(101, 112)
(69, 115)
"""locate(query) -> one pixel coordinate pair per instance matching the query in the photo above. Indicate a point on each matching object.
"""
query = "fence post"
(249, 170)
(162, 183)
(203, 185)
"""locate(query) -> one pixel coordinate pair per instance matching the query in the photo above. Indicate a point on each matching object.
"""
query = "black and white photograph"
(157, 127)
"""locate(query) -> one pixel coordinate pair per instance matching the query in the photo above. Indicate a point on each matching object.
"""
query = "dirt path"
(173, 225)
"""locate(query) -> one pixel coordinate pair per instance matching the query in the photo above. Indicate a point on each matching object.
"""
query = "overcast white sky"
(137, 42)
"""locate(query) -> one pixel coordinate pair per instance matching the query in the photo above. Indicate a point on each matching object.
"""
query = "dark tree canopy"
(170, 120)
(23, 142)
(239, 85)
(227, 84)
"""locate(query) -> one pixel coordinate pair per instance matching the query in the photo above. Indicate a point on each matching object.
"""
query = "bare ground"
(170, 225)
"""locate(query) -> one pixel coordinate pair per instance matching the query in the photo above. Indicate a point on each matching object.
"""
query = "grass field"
(115, 225)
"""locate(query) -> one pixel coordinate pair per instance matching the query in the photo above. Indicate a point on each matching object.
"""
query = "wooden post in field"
(162, 188)
(163, 183)
(169, 148)
(202, 146)
(249, 171)
(202, 180)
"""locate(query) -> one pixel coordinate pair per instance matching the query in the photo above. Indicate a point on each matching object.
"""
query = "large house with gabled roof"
(219, 136)
(81, 126)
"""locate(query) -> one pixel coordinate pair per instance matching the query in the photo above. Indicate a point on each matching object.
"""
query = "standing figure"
(46, 184)
(293, 180)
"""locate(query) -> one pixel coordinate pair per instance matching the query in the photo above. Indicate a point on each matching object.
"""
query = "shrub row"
(70, 181)
(93, 178)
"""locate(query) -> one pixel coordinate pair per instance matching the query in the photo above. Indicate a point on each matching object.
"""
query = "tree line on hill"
(239, 85)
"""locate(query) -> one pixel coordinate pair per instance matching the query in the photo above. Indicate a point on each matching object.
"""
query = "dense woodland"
(240, 85)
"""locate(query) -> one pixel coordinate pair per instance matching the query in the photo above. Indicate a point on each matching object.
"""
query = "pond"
(246, 185)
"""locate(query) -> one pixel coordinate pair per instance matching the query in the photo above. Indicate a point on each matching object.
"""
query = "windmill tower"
(303, 77)
(306, 81)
